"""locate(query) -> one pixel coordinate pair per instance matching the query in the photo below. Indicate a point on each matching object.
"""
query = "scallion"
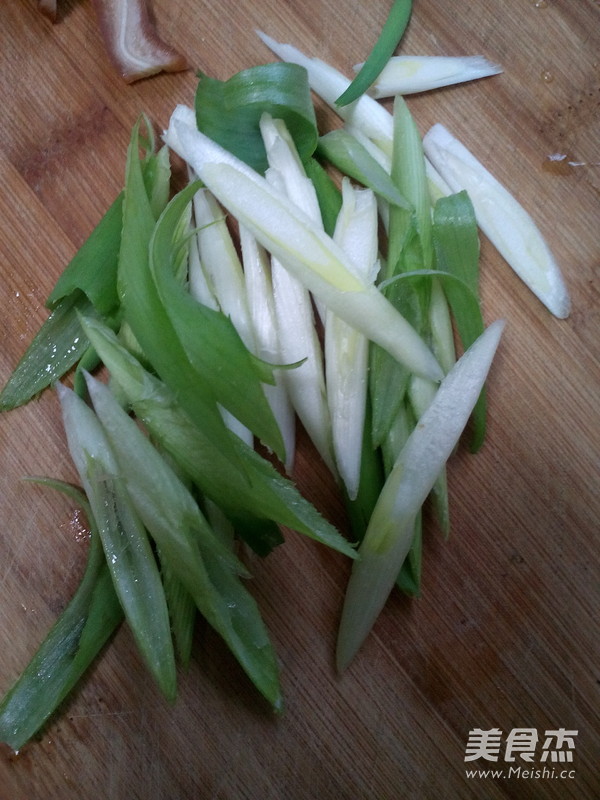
(391, 529)
(410, 74)
(501, 217)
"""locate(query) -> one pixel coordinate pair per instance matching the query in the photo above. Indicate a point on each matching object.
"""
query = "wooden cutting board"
(505, 635)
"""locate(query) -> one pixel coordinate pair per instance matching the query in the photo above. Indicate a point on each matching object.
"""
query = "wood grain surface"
(506, 632)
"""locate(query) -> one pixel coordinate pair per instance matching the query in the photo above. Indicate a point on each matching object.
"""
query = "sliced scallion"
(130, 559)
(391, 530)
(255, 490)
(346, 349)
(303, 248)
(501, 217)
(56, 347)
(410, 74)
(187, 544)
(71, 645)
(350, 156)
(297, 334)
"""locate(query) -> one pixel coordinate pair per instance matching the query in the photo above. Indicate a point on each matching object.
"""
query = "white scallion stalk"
(222, 264)
(391, 527)
(421, 394)
(502, 218)
(298, 338)
(437, 185)
(346, 349)
(224, 273)
(440, 325)
(197, 280)
(302, 247)
(259, 289)
(283, 157)
(411, 74)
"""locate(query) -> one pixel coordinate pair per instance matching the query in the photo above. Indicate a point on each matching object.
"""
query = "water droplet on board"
(547, 76)
(78, 526)
(539, 3)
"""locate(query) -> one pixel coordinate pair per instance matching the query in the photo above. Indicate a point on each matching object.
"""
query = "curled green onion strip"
(389, 38)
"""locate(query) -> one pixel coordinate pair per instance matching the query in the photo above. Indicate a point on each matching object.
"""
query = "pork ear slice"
(48, 9)
(132, 41)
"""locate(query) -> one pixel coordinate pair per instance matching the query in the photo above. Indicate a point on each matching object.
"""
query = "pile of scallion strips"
(211, 340)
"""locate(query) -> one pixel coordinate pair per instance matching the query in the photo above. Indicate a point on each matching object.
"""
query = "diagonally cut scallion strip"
(346, 349)
(56, 347)
(222, 264)
(187, 543)
(456, 245)
(261, 305)
(255, 490)
(82, 629)
(391, 529)
(217, 358)
(302, 247)
(296, 328)
(350, 156)
(408, 174)
(130, 559)
(501, 217)
(411, 74)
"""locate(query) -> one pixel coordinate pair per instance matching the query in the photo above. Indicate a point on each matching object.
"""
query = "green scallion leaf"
(229, 111)
(70, 647)
(206, 568)
(389, 38)
(93, 269)
(328, 194)
(131, 561)
(254, 490)
(209, 339)
(55, 348)
(145, 314)
(346, 153)
(456, 245)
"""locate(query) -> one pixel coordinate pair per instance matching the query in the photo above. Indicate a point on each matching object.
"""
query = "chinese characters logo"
(557, 745)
